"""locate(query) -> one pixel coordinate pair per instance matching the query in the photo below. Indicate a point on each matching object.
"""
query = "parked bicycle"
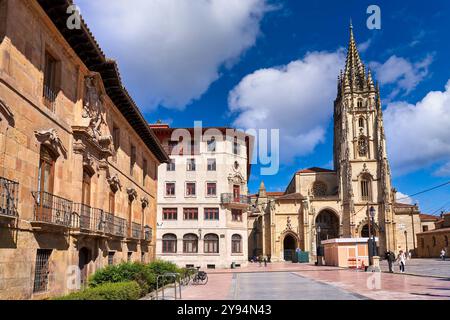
(194, 275)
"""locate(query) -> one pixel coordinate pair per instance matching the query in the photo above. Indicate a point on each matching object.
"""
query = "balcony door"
(45, 185)
(85, 218)
(236, 193)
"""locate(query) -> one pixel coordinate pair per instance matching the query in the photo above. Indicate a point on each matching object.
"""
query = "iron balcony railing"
(114, 225)
(136, 231)
(86, 218)
(9, 197)
(229, 198)
(49, 98)
(52, 209)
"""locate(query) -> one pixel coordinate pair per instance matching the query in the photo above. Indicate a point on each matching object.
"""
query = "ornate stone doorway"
(289, 246)
(329, 225)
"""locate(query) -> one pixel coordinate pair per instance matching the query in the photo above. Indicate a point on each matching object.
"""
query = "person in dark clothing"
(390, 257)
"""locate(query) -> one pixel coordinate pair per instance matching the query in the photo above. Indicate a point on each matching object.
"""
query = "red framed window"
(190, 189)
(170, 189)
(190, 213)
(211, 189)
(169, 243)
(236, 215)
(170, 214)
(211, 213)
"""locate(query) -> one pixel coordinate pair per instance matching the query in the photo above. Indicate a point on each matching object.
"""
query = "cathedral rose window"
(319, 189)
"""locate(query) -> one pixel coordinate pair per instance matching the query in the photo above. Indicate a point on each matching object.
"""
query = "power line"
(424, 191)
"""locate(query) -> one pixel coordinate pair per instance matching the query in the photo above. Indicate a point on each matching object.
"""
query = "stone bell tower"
(360, 156)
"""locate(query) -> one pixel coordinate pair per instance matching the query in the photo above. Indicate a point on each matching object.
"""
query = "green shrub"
(108, 291)
(137, 272)
(160, 267)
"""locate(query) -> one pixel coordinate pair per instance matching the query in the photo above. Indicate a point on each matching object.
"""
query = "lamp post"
(374, 259)
(318, 243)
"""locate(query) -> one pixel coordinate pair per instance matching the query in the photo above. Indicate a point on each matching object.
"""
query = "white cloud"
(419, 135)
(170, 51)
(363, 46)
(296, 98)
(444, 170)
(403, 74)
(403, 198)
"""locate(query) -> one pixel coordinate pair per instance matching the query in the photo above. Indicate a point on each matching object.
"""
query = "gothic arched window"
(362, 146)
(319, 189)
(361, 122)
(360, 103)
(366, 188)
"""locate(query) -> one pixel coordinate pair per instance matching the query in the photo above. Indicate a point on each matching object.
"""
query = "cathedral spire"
(354, 68)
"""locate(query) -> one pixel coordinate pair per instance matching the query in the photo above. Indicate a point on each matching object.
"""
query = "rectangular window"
(190, 214)
(132, 159)
(50, 81)
(211, 145)
(190, 165)
(236, 215)
(116, 137)
(171, 165)
(41, 270)
(365, 190)
(144, 171)
(170, 214)
(211, 164)
(211, 189)
(190, 189)
(170, 189)
(211, 214)
(111, 258)
(112, 202)
(236, 146)
(129, 256)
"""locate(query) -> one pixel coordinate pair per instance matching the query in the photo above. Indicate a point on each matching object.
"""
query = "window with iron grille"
(211, 213)
(190, 189)
(211, 164)
(41, 270)
(171, 165)
(365, 190)
(169, 243)
(211, 243)
(190, 164)
(50, 80)
(170, 214)
(170, 189)
(111, 258)
(236, 215)
(211, 189)
(190, 214)
(236, 244)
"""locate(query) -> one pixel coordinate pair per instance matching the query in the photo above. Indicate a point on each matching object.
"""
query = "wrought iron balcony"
(229, 199)
(49, 98)
(115, 226)
(9, 197)
(136, 231)
(51, 209)
(88, 219)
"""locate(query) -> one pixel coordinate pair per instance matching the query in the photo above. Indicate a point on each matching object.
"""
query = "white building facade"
(202, 198)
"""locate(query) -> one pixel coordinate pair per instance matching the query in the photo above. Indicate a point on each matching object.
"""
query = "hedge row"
(108, 291)
(118, 282)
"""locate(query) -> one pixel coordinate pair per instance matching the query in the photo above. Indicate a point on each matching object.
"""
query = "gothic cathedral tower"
(360, 156)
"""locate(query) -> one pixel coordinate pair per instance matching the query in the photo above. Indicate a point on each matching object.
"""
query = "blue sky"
(274, 64)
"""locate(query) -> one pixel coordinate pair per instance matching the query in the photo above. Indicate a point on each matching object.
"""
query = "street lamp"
(371, 234)
(318, 229)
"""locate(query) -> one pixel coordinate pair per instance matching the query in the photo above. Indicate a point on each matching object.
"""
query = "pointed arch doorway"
(289, 246)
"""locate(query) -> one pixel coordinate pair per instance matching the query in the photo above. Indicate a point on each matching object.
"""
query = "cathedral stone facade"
(338, 200)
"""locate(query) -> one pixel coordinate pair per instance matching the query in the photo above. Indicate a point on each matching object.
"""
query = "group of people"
(260, 260)
(401, 259)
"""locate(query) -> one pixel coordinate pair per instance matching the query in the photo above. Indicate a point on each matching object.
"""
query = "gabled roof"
(315, 170)
(428, 217)
(88, 50)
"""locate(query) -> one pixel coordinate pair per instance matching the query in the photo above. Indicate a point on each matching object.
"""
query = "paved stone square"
(288, 281)
(423, 267)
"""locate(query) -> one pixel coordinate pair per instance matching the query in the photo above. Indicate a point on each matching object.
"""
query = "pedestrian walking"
(390, 257)
(401, 261)
(260, 260)
(265, 261)
(443, 254)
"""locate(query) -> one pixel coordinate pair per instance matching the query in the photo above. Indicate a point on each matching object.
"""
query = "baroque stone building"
(202, 197)
(337, 200)
(78, 163)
